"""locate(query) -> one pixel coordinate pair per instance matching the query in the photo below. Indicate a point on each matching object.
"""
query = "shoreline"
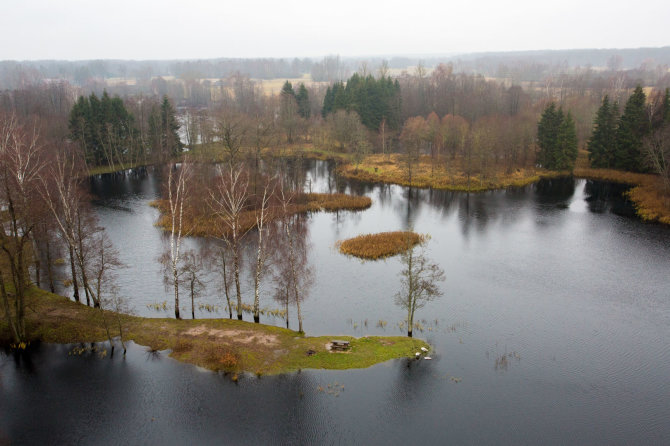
(225, 345)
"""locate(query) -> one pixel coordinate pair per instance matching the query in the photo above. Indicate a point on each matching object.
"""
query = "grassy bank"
(646, 194)
(99, 170)
(204, 224)
(216, 344)
(449, 176)
(379, 246)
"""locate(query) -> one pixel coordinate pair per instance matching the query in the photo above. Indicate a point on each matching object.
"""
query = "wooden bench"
(337, 344)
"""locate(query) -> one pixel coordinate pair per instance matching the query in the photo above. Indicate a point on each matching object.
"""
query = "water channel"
(553, 328)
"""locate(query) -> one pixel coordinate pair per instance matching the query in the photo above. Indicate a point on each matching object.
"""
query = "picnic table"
(337, 344)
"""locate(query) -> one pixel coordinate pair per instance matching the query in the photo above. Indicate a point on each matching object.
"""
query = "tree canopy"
(375, 100)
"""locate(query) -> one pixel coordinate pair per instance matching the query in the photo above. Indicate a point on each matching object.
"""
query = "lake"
(553, 328)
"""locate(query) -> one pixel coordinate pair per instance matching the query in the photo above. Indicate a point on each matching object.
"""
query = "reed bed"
(381, 245)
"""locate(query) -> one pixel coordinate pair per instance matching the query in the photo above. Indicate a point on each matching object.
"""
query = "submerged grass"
(380, 245)
(216, 344)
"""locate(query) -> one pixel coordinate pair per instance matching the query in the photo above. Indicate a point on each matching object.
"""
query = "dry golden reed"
(381, 245)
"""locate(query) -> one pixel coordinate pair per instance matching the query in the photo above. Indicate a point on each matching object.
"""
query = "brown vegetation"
(205, 224)
(449, 175)
(647, 194)
(381, 245)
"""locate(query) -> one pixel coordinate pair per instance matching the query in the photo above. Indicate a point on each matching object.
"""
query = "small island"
(201, 222)
(381, 245)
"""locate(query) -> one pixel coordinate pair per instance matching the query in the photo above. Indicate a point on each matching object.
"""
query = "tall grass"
(379, 246)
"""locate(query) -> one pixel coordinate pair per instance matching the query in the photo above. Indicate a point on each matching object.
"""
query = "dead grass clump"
(381, 245)
(219, 357)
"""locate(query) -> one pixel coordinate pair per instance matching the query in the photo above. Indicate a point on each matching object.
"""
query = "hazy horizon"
(169, 30)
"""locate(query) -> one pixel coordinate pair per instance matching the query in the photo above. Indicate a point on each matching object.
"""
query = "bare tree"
(418, 283)
(103, 265)
(191, 271)
(295, 276)
(656, 151)
(223, 265)
(21, 163)
(178, 194)
(261, 251)
(228, 202)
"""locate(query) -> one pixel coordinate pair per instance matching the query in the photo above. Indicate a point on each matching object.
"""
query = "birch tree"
(229, 202)
(261, 250)
(21, 163)
(178, 191)
(419, 279)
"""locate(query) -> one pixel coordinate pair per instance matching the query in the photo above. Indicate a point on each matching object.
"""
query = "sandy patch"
(241, 336)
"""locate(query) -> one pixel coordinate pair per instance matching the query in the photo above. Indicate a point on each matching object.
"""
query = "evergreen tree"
(633, 126)
(287, 89)
(103, 127)
(601, 145)
(302, 98)
(374, 100)
(557, 139)
(566, 152)
(164, 131)
(288, 111)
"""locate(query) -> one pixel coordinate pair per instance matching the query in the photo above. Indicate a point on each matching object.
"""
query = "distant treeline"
(520, 65)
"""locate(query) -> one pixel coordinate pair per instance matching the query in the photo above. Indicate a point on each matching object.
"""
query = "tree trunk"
(176, 291)
(50, 275)
(192, 300)
(236, 266)
(75, 282)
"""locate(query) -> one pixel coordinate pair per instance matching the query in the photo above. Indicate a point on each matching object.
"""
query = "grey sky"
(167, 29)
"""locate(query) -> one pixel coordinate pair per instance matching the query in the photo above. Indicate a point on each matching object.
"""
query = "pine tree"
(601, 145)
(633, 126)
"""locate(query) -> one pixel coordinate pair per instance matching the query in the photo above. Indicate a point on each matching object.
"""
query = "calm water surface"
(553, 328)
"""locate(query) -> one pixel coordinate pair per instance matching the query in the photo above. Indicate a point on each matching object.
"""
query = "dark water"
(553, 328)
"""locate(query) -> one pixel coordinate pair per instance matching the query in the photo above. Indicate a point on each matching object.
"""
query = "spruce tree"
(601, 145)
(302, 98)
(566, 153)
(557, 139)
(633, 126)
(547, 135)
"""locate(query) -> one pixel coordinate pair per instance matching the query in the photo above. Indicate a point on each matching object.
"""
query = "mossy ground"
(216, 344)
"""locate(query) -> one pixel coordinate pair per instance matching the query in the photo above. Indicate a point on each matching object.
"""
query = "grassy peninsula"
(216, 344)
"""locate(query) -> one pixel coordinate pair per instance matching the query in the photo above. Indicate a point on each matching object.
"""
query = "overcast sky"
(167, 29)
